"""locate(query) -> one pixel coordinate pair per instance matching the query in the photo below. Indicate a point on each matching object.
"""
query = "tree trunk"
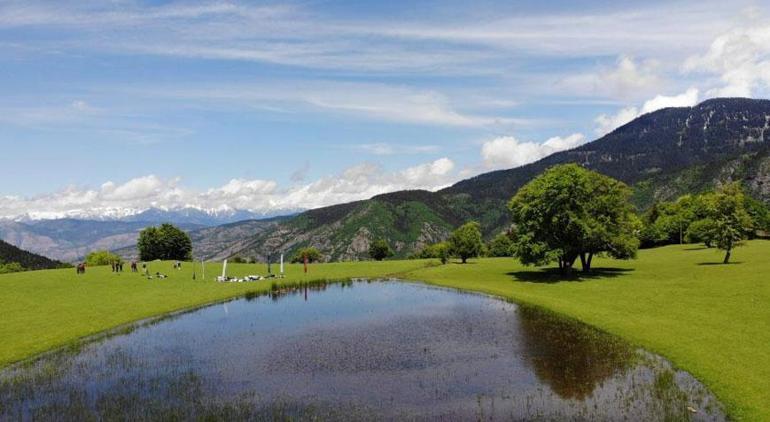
(585, 261)
(464, 258)
(727, 257)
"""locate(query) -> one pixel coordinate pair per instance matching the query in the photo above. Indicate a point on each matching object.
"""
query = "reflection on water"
(568, 356)
(381, 350)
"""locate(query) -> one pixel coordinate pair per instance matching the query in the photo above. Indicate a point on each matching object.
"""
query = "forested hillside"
(10, 254)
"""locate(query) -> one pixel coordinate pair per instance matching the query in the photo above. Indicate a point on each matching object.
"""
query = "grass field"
(711, 320)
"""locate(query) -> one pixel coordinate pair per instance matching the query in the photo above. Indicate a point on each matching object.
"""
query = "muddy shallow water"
(364, 350)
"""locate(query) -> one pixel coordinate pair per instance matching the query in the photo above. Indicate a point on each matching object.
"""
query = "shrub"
(102, 257)
(379, 250)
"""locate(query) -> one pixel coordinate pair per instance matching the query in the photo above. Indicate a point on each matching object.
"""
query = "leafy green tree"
(500, 246)
(466, 242)
(569, 212)
(380, 249)
(102, 257)
(310, 252)
(731, 222)
(166, 242)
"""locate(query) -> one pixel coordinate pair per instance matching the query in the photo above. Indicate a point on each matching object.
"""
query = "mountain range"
(662, 155)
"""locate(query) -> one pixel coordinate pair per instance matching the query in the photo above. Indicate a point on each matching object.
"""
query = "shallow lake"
(361, 350)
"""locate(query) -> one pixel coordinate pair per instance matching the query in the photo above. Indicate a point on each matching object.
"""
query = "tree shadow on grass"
(553, 275)
(696, 248)
(719, 263)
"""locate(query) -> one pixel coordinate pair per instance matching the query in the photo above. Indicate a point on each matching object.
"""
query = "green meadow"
(709, 319)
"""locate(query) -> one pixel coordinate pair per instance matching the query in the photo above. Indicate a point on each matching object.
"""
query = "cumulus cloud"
(740, 58)
(120, 199)
(627, 79)
(508, 152)
(607, 123)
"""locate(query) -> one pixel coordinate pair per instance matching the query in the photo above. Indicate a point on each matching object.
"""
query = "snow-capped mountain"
(187, 215)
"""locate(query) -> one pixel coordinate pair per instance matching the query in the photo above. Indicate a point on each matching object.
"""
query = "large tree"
(569, 212)
(466, 242)
(164, 242)
(730, 222)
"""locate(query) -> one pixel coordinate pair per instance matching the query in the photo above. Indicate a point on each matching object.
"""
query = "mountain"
(70, 239)
(219, 242)
(201, 217)
(186, 215)
(661, 155)
(28, 260)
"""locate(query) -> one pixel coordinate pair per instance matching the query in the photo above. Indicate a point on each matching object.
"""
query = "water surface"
(365, 350)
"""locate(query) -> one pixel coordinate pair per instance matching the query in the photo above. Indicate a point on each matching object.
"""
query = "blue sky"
(115, 106)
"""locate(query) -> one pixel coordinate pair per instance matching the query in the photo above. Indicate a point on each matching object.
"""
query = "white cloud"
(118, 199)
(740, 58)
(627, 79)
(607, 123)
(376, 101)
(382, 148)
(508, 152)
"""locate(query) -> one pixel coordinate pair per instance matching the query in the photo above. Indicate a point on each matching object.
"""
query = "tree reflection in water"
(570, 357)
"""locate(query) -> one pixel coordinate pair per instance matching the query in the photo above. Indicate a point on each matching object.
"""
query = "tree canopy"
(166, 242)
(569, 212)
(689, 219)
(380, 249)
(310, 252)
(466, 242)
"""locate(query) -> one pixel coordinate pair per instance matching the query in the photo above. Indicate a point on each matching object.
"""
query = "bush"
(102, 257)
(701, 231)
(379, 250)
(500, 246)
(436, 251)
(11, 267)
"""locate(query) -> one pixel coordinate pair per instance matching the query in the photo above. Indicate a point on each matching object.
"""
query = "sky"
(111, 107)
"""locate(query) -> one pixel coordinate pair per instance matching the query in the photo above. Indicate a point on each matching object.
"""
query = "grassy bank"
(711, 320)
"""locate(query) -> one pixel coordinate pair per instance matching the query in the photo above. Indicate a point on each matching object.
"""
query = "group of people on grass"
(117, 267)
